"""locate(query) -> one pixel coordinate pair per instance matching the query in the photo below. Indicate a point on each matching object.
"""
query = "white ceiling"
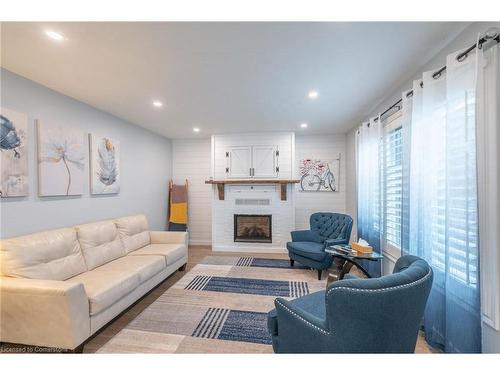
(226, 77)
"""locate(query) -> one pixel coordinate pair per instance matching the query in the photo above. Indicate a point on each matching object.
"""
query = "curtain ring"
(462, 57)
(436, 75)
(421, 84)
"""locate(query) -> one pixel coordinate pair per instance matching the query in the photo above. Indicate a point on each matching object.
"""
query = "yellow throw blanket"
(178, 204)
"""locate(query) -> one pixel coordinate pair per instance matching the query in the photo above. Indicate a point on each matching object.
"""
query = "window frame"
(391, 123)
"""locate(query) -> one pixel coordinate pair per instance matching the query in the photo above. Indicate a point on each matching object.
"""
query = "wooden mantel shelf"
(221, 184)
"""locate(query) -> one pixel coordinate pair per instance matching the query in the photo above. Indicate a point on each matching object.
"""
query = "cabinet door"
(240, 159)
(264, 161)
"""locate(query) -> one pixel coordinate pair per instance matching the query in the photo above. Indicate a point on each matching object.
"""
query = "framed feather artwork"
(104, 165)
(13, 153)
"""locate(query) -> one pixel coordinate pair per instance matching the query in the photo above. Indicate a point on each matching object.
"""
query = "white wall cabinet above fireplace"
(253, 161)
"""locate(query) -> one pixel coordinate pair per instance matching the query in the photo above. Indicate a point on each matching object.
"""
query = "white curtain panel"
(488, 162)
(443, 204)
(369, 172)
(450, 173)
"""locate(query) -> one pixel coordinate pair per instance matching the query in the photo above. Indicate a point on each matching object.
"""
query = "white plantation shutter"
(392, 181)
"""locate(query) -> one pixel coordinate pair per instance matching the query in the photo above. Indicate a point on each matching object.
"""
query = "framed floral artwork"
(104, 165)
(61, 160)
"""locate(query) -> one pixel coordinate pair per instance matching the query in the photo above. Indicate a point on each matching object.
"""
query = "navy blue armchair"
(308, 246)
(381, 315)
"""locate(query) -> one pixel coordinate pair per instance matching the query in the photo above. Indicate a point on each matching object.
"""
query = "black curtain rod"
(460, 57)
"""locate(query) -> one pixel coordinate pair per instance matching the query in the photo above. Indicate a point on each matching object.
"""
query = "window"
(392, 176)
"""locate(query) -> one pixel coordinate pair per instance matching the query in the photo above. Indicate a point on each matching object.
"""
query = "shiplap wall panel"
(327, 148)
(191, 160)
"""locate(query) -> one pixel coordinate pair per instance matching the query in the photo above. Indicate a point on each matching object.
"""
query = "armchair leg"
(182, 268)
(319, 274)
(291, 262)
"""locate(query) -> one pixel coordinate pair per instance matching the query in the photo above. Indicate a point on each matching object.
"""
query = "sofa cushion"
(100, 243)
(171, 252)
(110, 282)
(310, 250)
(133, 231)
(51, 255)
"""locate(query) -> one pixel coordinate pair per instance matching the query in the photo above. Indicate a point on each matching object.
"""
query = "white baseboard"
(200, 242)
(249, 249)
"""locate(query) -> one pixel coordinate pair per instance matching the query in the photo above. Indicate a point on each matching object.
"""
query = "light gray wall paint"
(145, 164)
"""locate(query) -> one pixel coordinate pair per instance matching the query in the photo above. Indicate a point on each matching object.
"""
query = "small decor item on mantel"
(319, 175)
(61, 160)
(104, 165)
(14, 154)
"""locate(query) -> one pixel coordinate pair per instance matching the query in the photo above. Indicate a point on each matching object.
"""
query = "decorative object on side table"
(344, 257)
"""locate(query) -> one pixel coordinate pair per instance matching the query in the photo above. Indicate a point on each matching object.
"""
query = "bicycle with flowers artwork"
(318, 175)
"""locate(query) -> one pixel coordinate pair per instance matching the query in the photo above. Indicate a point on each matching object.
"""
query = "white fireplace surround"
(248, 199)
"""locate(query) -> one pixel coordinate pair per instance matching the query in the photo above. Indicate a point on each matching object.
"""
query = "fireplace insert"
(253, 228)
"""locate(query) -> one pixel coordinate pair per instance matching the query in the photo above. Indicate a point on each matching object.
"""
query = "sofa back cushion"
(51, 255)
(133, 231)
(100, 243)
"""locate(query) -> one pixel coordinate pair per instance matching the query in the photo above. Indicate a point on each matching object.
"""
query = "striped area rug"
(219, 306)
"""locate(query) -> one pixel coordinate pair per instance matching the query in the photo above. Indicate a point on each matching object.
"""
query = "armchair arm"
(337, 241)
(43, 312)
(158, 237)
(304, 236)
(298, 330)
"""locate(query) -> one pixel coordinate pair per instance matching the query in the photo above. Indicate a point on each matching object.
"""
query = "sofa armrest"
(43, 312)
(304, 236)
(158, 237)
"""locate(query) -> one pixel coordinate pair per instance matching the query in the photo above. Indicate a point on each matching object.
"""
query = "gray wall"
(145, 164)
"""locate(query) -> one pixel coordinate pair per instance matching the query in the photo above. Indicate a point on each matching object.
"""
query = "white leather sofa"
(57, 288)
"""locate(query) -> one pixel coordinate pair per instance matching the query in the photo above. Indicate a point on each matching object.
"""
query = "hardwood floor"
(196, 254)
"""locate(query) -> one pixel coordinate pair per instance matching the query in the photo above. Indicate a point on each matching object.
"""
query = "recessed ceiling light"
(54, 35)
(313, 94)
(196, 130)
(303, 126)
(157, 104)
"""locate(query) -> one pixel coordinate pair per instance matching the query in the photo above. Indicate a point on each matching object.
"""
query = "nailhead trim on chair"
(354, 290)
(301, 318)
(382, 289)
